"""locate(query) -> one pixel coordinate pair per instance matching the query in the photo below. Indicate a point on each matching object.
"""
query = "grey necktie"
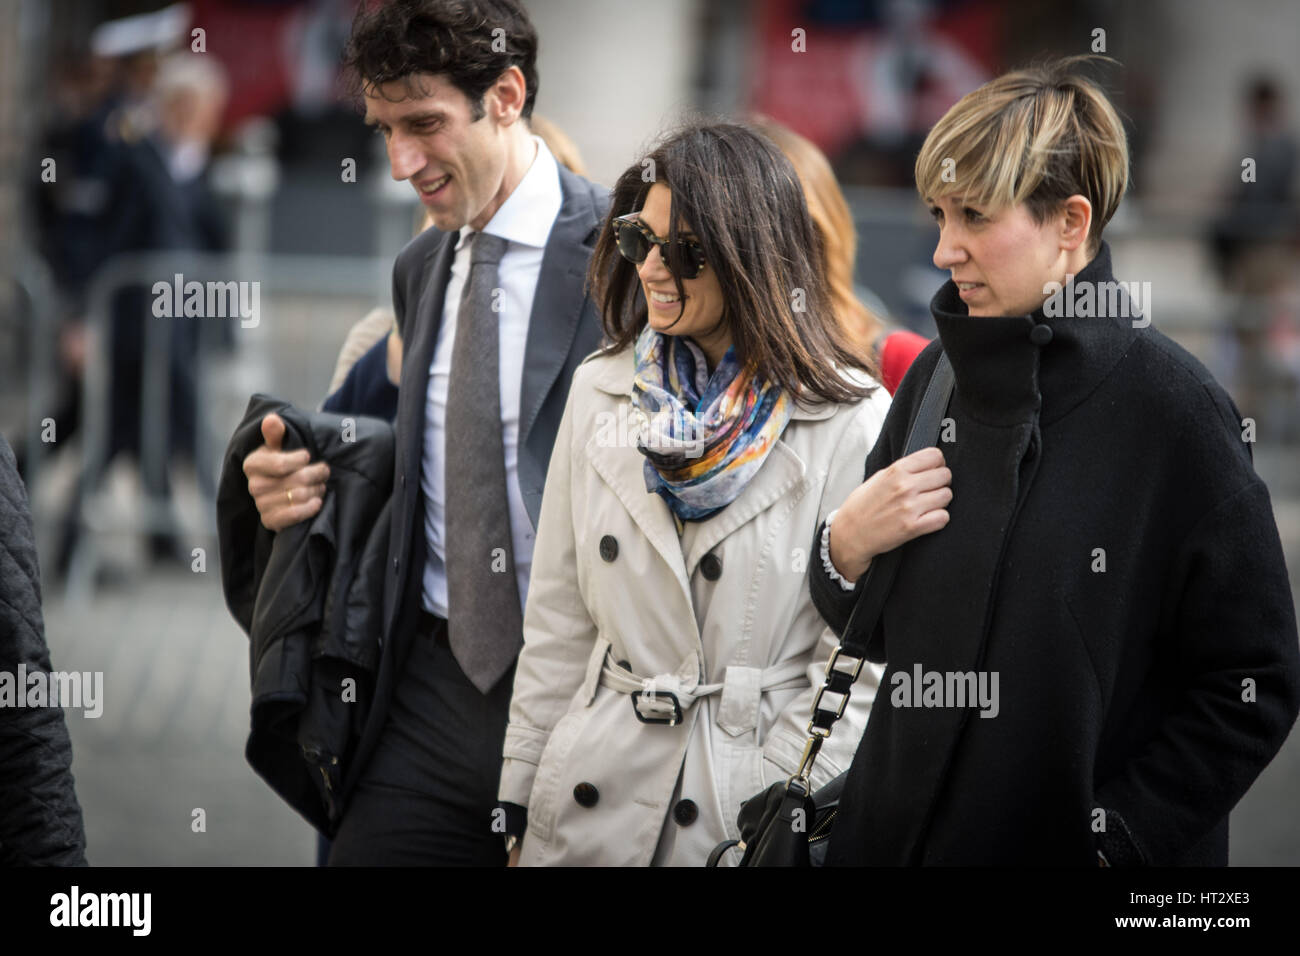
(484, 623)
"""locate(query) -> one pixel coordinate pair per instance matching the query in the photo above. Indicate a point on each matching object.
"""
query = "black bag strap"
(879, 578)
(874, 585)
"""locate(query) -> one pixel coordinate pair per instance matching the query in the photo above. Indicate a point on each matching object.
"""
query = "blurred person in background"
(1110, 556)
(104, 98)
(103, 102)
(1256, 247)
(891, 350)
(663, 559)
(159, 200)
(1261, 211)
(482, 392)
(558, 142)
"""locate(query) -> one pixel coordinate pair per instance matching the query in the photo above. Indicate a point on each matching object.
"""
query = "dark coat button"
(609, 547)
(686, 812)
(586, 795)
(711, 566)
(395, 562)
(402, 479)
(1040, 334)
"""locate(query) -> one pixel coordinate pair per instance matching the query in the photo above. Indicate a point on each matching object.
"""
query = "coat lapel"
(781, 472)
(622, 468)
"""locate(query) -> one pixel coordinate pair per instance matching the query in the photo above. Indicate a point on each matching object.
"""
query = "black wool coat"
(40, 818)
(1112, 556)
(310, 599)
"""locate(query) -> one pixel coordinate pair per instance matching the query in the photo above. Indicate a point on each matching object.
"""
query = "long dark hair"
(742, 199)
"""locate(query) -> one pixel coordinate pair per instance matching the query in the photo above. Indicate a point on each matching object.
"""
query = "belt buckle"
(676, 717)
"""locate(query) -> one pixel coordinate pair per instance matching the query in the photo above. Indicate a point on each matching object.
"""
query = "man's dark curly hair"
(471, 42)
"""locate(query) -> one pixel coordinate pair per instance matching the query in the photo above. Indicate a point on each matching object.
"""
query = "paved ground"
(171, 737)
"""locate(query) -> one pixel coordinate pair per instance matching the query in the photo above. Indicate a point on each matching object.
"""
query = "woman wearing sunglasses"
(670, 645)
(1093, 652)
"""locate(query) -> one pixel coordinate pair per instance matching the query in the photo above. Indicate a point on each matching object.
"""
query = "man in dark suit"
(491, 307)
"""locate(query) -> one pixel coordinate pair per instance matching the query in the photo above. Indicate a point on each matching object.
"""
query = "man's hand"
(514, 854)
(286, 486)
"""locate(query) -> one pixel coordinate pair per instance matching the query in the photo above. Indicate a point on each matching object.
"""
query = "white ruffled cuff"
(844, 583)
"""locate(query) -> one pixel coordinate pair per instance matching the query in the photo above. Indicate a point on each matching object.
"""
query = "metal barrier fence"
(368, 280)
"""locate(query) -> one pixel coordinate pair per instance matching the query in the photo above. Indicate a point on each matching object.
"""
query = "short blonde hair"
(1036, 136)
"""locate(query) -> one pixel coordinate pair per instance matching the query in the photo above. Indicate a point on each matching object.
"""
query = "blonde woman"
(1091, 645)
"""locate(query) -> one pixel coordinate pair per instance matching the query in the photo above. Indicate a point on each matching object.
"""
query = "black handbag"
(786, 824)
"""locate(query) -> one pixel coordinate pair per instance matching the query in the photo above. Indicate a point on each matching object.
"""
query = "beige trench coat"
(720, 617)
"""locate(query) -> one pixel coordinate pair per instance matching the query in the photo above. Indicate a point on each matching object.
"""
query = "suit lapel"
(557, 304)
(422, 323)
(419, 352)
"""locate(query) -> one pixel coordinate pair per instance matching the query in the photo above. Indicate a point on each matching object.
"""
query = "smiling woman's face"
(702, 310)
(1000, 259)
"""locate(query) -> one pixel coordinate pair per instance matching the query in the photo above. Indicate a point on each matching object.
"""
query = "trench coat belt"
(742, 689)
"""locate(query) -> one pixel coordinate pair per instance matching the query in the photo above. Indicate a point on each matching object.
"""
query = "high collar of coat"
(1007, 371)
(616, 374)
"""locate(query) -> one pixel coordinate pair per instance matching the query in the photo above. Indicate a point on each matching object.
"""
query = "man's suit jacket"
(564, 327)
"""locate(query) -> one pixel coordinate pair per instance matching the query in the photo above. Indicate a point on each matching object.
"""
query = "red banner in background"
(276, 53)
(882, 72)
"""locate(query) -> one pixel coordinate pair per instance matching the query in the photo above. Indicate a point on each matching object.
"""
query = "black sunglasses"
(634, 242)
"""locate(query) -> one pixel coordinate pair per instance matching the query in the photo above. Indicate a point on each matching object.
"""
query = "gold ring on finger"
(289, 493)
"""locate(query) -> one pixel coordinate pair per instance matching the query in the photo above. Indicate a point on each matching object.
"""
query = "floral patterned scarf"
(704, 436)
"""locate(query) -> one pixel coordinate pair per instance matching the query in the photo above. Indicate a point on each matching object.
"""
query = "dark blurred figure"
(102, 99)
(40, 818)
(1261, 211)
(96, 98)
(157, 198)
(99, 102)
(1254, 243)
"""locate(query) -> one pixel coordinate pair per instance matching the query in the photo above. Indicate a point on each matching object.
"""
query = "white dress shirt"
(525, 221)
